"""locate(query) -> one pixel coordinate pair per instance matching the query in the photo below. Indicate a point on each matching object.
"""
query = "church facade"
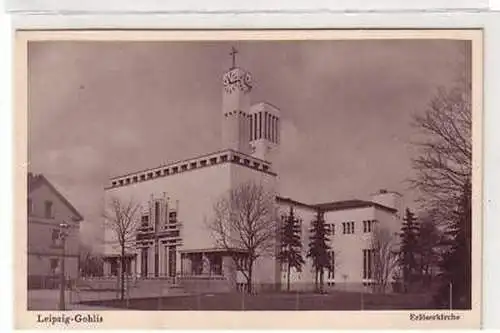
(177, 199)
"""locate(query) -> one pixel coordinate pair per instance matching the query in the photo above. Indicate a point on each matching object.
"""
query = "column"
(205, 264)
(277, 130)
(161, 259)
(138, 261)
(272, 128)
(107, 268)
(151, 261)
(178, 263)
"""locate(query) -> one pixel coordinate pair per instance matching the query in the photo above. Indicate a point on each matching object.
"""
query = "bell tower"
(265, 131)
(237, 84)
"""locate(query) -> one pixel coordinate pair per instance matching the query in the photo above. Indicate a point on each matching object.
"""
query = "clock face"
(248, 80)
(236, 80)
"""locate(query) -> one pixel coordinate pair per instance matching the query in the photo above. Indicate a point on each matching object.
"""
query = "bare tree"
(122, 218)
(384, 257)
(245, 225)
(444, 164)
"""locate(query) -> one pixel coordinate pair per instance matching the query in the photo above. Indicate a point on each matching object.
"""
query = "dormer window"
(184, 167)
(175, 169)
(203, 163)
(223, 158)
(193, 165)
(213, 160)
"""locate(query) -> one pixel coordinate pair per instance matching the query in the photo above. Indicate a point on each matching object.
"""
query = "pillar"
(107, 268)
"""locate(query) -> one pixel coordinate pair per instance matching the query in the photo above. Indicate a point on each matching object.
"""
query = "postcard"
(248, 179)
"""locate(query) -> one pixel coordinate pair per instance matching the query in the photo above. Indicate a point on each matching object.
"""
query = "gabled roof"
(336, 205)
(35, 181)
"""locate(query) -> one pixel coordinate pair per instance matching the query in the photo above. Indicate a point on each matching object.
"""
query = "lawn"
(274, 301)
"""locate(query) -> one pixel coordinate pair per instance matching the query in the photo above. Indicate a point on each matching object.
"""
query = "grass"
(275, 301)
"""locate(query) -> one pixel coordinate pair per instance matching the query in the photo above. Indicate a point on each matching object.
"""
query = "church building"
(173, 241)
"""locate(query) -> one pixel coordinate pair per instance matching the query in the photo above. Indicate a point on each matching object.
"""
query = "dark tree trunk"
(288, 278)
(316, 280)
(249, 280)
(122, 274)
(321, 280)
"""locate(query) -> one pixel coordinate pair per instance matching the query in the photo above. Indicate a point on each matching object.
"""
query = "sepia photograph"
(249, 173)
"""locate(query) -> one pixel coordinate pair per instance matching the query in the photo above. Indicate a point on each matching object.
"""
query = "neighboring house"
(47, 209)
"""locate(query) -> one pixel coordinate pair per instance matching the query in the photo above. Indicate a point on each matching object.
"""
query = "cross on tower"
(233, 54)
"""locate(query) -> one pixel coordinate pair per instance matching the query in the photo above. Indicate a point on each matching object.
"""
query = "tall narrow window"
(144, 262)
(157, 260)
(48, 209)
(367, 264)
(260, 125)
(54, 264)
(277, 130)
(272, 128)
(331, 269)
(265, 125)
(269, 126)
(145, 220)
(55, 237)
(251, 127)
(255, 126)
(157, 215)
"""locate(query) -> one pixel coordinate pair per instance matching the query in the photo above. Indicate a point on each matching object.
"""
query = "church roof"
(351, 204)
(336, 205)
(35, 181)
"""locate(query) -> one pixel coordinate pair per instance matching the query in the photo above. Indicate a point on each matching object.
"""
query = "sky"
(101, 109)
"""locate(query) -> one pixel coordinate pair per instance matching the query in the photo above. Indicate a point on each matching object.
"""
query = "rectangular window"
(144, 262)
(215, 264)
(255, 126)
(251, 127)
(367, 264)
(196, 264)
(172, 217)
(331, 269)
(157, 215)
(145, 220)
(157, 260)
(54, 264)
(348, 227)
(266, 125)
(172, 261)
(260, 125)
(55, 237)
(48, 209)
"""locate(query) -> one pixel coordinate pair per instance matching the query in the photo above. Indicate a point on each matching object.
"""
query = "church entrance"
(170, 260)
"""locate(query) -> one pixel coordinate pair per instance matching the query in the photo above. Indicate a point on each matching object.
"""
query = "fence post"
(243, 297)
(362, 297)
(451, 296)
